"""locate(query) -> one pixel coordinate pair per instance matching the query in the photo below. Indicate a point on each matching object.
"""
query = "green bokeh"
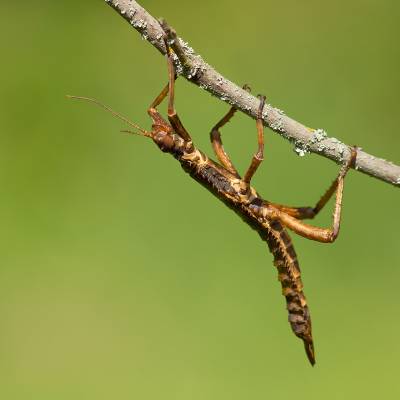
(122, 278)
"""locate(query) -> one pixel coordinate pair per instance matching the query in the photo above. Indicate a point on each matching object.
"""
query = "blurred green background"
(121, 277)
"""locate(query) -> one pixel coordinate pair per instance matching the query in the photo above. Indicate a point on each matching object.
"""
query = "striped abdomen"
(251, 209)
(285, 260)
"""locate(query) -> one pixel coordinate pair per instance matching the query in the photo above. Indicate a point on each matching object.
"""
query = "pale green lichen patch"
(276, 122)
(318, 135)
(186, 47)
(301, 148)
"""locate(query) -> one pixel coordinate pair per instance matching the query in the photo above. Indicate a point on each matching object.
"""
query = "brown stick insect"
(224, 181)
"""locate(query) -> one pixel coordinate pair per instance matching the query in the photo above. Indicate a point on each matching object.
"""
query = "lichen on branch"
(191, 66)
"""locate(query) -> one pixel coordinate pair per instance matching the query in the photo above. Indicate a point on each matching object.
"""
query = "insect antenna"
(116, 114)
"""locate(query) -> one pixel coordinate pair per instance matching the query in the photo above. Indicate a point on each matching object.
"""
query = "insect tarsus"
(224, 181)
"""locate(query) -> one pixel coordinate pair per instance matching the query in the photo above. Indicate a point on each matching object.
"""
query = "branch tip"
(197, 71)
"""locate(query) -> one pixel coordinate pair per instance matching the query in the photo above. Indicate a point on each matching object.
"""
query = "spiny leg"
(158, 120)
(152, 110)
(311, 212)
(169, 89)
(313, 232)
(172, 115)
(216, 141)
(259, 156)
(158, 100)
(296, 212)
(217, 145)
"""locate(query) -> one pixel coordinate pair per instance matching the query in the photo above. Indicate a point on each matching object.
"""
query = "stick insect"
(224, 181)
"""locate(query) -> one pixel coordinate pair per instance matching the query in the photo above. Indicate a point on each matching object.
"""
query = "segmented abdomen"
(221, 185)
(285, 260)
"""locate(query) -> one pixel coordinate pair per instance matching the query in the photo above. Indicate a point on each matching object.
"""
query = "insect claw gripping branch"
(223, 180)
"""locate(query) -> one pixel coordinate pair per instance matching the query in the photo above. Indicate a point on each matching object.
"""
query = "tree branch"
(196, 70)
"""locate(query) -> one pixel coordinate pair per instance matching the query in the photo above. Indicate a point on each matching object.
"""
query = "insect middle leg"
(215, 137)
(290, 216)
(259, 156)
